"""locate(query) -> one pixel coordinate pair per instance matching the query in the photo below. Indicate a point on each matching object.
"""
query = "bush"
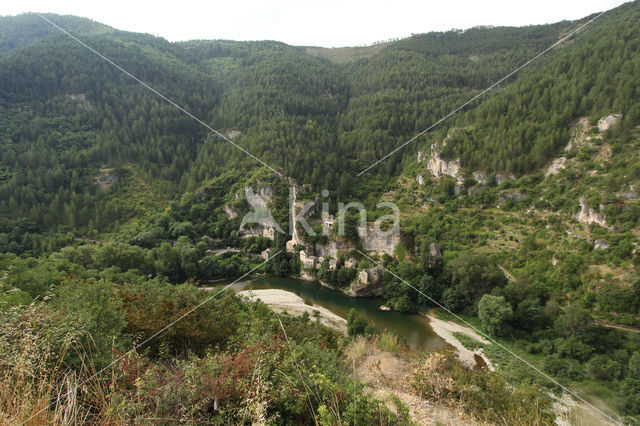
(494, 312)
(600, 367)
(483, 394)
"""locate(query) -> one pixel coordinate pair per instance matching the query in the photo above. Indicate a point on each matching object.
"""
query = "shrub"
(494, 312)
(483, 394)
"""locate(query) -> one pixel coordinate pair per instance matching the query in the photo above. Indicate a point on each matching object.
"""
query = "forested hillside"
(115, 206)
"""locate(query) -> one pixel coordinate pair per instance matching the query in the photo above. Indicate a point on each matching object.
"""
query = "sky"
(328, 23)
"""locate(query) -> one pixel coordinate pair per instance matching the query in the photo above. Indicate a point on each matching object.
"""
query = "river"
(412, 329)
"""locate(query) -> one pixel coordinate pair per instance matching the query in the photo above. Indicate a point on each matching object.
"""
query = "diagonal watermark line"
(545, 375)
(163, 329)
(453, 112)
(169, 101)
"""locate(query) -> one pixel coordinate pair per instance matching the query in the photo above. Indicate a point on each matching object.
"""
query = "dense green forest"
(115, 207)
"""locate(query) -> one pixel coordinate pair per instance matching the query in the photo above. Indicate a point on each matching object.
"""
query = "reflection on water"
(413, 329)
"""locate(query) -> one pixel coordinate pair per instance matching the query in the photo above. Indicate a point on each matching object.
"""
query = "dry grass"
(36, 387)
(358, 349)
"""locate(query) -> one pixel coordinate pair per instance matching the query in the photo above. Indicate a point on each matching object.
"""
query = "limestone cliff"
(331, 249)
(259, 222)
(439, 167)
(378, 240)
(555, 166)
(606, 122)
(260, 197)
(588, 215)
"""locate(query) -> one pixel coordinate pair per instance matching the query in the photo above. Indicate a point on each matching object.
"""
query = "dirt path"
(618, 327)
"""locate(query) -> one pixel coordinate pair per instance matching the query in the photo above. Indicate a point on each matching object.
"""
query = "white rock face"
(231, 212)
(600, 245)
(630, 195)
(606, 122)
(439, 167)
(259, 199)
(259, 222)
(234, 133)
(588, 215)
(106, 179)
(435, 255)
(555, 167)
(421, 156)
(381, 242)
(459, 188)
(502, 178)
(481, 178)
(81, 101)
(332, 248)
(420, 180)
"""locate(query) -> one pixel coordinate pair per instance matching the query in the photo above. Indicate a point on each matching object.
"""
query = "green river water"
(412, 329)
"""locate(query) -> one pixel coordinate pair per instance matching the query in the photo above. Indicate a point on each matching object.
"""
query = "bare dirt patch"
(386, 375)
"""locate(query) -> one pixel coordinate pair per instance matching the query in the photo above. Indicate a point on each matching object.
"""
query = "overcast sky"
(329, 23)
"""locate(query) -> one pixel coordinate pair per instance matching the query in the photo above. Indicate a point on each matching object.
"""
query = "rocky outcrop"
(475, 190)
(631, 194)
(555, 166)
(481, 178)
(106, 179)
(258, 198)
(231, 212)
(234, 133)
(439, 167)
(606, 122)
(600, 245)
(80, 100)
(502, 178)
(420, 180)
(259, 222)
(458, 188)
(332, 248)
(378, 240)
(588, 215)
(513, 196)
(435, 255)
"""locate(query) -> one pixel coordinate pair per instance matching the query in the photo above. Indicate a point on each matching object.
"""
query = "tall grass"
(358, 348)
(388, 341)
(36, 387)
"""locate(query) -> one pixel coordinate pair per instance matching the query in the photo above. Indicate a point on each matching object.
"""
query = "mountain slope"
(23, 30)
